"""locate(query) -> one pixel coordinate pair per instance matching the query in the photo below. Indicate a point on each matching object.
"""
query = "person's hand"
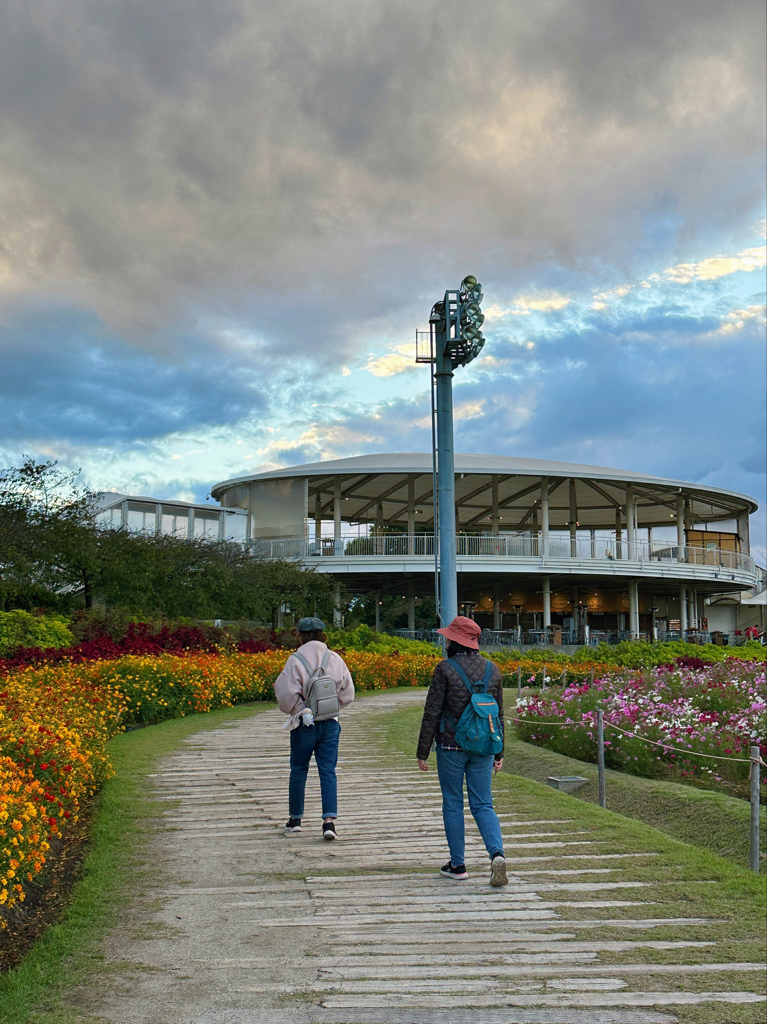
(423, 765)
(497, 765)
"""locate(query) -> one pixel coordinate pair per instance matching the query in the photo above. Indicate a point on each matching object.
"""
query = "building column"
(593, 536)
(158, 521)
(378, 611)
(574, 605)
(546, 601)
(693, 612)
(190, 524)
(634, 607)
(495, 507)
(337, 516)
(545, 521)
(411, 515)
(618, 533)
(680, 527)
(744, 533)
(496, 606)
(337, 618)
(573, 522)
(124, 514)
(683, 609)
(630, 522)
(534, 544)
(318, 519)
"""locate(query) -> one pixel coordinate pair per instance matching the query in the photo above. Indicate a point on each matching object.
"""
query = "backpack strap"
(305, 663)
(465, 679)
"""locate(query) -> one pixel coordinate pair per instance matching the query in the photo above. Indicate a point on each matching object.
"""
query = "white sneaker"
(498, 874)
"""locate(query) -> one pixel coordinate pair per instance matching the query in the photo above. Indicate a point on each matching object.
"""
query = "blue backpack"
(479, 729)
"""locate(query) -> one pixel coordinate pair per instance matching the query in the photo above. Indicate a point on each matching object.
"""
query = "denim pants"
(452, 766)
(320, 739)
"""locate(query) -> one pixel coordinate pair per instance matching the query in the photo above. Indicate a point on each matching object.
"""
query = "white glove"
(307, 717)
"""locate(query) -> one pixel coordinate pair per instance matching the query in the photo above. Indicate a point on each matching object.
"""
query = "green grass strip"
(124, 815)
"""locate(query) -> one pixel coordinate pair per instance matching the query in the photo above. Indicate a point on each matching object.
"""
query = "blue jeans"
(320, 739)
(452, 766)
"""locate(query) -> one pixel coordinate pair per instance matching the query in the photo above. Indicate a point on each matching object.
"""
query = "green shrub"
(363, 638)
(22, 629)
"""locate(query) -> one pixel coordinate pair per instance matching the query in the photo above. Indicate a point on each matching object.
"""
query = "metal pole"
(519, 682)
(434, 495)
(543, 679)
(755, 809)
(601, 757)
(448, 582)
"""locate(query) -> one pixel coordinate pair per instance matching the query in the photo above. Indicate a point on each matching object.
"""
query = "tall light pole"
(455, 339)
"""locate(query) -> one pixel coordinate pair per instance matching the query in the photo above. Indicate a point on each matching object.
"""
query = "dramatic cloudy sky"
(221, 224)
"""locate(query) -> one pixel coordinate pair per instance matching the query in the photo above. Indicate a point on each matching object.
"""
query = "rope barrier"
(644, 739)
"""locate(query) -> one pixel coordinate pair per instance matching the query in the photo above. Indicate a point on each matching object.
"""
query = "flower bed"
(719, 710)
(56, 719)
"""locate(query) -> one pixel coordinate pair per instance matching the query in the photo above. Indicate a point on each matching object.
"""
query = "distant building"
(585, 549)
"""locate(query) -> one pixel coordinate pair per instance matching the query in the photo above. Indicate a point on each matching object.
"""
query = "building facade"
(541, 545)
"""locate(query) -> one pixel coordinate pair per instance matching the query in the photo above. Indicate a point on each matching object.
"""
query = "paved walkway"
(250, 926)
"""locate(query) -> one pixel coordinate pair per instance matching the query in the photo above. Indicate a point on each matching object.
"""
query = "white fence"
(503, 546)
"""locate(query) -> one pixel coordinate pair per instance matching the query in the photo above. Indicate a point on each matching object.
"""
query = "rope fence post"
(543, 679)
(564, 678)
(519, 682)
(591, 682)
(601, 757)
(755, 766)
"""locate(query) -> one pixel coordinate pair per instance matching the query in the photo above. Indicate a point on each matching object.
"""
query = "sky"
(222, 224)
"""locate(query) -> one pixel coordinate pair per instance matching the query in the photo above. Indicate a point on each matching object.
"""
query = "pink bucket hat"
(464, 631)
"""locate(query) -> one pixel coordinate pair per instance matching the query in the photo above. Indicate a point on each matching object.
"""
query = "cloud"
(719, 266)
(401, 360)
(290, 165)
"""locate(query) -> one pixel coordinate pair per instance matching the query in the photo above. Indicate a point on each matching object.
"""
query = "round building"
(555, 549)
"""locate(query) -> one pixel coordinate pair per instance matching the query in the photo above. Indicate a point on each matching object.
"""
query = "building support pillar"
(410, 606)
(378, 611)
(411, 515)
(680, 552)
(337, 546)
(318, 519)
(573, 522)
(618, 534)
(634, 608)
(683, 610)
(593, 536)
(545, 523)
(496, 519)
(158, 521)
(575, 616)
(190, 524)
(546, 602)
(631, 522)
(496, 606)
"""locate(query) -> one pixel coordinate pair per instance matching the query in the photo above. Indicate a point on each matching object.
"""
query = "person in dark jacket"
(445, 703)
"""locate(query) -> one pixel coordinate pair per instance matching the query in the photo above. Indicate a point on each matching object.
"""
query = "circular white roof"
(378, 487)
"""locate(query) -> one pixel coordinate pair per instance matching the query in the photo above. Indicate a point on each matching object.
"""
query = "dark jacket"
(447, 700)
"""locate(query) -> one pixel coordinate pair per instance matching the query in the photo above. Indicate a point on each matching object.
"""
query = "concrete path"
(247, 925)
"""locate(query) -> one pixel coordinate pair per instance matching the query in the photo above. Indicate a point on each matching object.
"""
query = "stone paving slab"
(248, 925)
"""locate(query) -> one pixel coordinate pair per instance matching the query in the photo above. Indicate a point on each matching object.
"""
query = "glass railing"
(504, 546)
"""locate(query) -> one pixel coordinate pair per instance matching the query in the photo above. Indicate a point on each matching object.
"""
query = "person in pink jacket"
(308, 737)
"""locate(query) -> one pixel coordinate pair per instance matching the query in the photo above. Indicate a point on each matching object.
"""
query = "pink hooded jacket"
(289, 684)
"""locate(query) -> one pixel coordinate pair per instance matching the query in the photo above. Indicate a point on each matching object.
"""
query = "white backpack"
(321, 690)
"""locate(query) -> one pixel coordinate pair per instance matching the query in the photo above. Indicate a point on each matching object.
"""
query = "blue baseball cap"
(310, 625)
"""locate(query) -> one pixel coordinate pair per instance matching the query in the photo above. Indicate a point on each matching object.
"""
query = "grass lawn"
(682, 880)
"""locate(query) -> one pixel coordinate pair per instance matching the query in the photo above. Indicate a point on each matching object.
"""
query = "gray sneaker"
(498, 876)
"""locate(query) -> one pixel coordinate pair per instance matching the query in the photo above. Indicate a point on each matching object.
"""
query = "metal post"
(378, 611)
(755, 809)
(543, 679)
(680, 527)
(573, 522)
(683, 610)
(410, 606)
(546, 601)
(591, 679)
(601, 757)
(519, 682)
(448, 582)
(411, 515)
